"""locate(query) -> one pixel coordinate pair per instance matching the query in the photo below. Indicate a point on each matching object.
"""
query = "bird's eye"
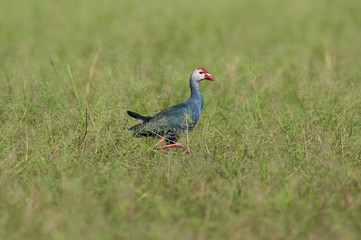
(201, 72)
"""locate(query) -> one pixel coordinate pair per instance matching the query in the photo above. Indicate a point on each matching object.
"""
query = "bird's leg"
(175, 145)
(166, 147)
(172, 145)
(159, 143)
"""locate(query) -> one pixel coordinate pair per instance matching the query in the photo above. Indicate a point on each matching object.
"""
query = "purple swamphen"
(169, 123)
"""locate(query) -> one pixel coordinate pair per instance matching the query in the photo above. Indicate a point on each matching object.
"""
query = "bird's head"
(201, 74)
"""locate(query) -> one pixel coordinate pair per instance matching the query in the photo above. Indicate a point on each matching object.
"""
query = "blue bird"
(171, 122)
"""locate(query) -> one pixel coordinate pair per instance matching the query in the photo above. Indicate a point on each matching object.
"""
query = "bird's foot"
(158, 145)
(188, 151)
(167, 147)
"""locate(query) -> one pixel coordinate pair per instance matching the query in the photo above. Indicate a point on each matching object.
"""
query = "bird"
(171, 122)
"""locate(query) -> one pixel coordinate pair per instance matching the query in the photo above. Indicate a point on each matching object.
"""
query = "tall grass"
(276, 152)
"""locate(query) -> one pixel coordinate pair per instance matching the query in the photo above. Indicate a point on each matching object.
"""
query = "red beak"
(208, 76)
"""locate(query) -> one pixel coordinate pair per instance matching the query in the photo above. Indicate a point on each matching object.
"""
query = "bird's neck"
(196, 92)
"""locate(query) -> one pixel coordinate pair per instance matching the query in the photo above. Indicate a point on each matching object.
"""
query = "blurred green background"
(276, 153)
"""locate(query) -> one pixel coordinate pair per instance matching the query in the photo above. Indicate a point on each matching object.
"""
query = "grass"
(276, 153)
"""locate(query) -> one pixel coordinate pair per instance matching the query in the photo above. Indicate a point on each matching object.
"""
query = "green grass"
(276, 153)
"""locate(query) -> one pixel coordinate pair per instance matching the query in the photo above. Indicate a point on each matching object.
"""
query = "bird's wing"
(170, 120)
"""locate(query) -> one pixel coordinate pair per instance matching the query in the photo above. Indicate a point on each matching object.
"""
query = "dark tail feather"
(140, 118)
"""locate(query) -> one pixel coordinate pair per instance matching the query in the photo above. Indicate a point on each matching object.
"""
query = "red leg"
(166, 147)
(159, 143)
(172, 145)
(175, 145)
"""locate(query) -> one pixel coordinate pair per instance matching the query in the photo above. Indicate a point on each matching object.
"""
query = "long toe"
(189, 151)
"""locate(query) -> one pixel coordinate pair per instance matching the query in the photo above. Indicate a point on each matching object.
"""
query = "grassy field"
(276, 152)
